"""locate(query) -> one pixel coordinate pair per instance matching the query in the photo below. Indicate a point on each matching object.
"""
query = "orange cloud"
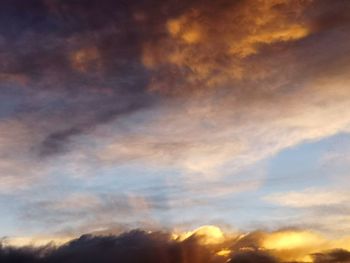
(219, 246)
(206, 45)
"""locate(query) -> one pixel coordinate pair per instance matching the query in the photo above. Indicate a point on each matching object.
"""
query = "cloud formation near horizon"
(206, 244)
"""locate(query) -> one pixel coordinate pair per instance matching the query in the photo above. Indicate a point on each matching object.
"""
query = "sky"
(170, 115)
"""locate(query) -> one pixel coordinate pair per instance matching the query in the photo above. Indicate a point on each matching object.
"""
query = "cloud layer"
(206, 244)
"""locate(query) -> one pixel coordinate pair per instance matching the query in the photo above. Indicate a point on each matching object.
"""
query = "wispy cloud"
(310, 198)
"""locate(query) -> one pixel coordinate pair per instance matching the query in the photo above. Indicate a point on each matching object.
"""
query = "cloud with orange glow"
(205, 244)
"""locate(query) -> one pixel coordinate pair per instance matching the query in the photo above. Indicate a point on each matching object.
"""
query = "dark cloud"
(53, 142)
(17, 255)
(147, 247)
(56, 141)
(252, 257)
(135, 246)
(81, 58)
(337, 255)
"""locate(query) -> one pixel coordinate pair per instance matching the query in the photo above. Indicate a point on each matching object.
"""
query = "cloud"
(66, 67)
(87, 211)
(162, 246)
(250, 257)
(93, 56)
(308, 205)
(309, 198)
(210, 135)
(212, 120)
(19, 171)
(206, 50)
(101, 66)
(337, 255)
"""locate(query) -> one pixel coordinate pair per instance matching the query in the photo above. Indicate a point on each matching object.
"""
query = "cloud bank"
(206, 244)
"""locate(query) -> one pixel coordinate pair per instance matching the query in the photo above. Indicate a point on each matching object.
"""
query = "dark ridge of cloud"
(252, 257)
(57, 141)
(139, 246)
(334, 256)
(135, 246)
(15, 255)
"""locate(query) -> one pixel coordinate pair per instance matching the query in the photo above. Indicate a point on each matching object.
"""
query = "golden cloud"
(207, 45)
(219, 246)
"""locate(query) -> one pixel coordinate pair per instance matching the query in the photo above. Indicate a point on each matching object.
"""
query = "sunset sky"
(173, 114)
